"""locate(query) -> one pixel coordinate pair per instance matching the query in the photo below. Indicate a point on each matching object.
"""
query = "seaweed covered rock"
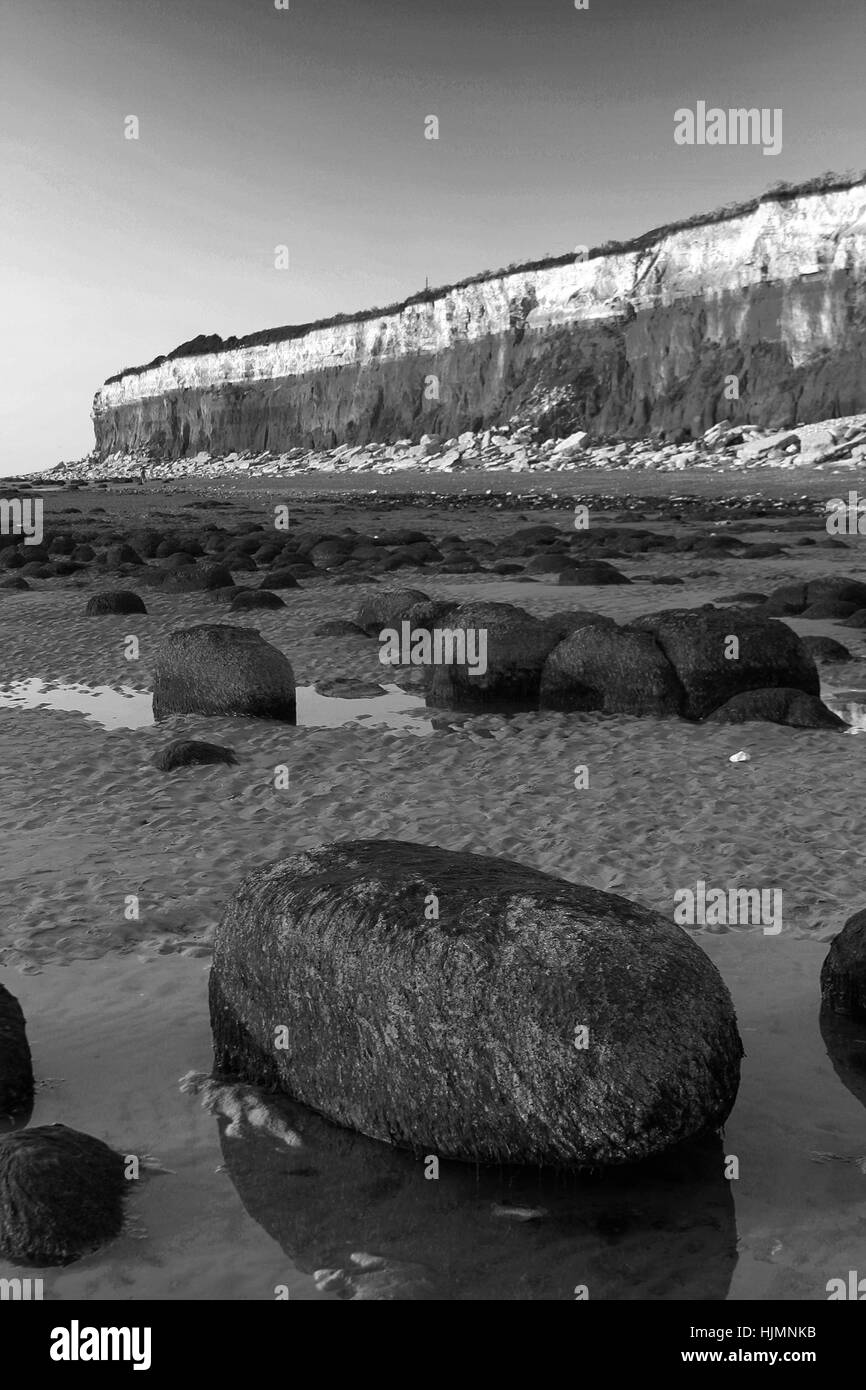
(843, 974)
(189, 752)
(826, 649)
(246, 599)
(792, 599)
(612, 669)
(114, 601)
(196, 578)
(16, 1067)
(61, 1195)
(387, 609)
(592, 573)
(514, 646)
(220, 669)
(471, 1007)
(712, 667)
(777, 706)
(279, 579)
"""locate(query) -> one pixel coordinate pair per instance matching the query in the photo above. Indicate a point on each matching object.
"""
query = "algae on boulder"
(61, 1195)
(16, 1067)
(843, 974)
(516, 647)
(219, 669)
(711, 668)
(438, 1001)
(612, 669)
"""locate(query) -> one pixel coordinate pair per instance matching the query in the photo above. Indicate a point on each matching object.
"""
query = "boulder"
(387, 608)
(828, 591)
(16, 1067)
(220, 669)
(615, 670)
(826, 649)
(280, 579)
(843, 974)
(114, 601)
(122, 555)
(529, 1021)
(777, 706)
(829, 609)
(695, 642)
(338, 627)
(189, 579)
(548, 562)
(61, 1195)
(564, 623)
(188, 752)
(517, 645)
(255, 598)
(592, 572)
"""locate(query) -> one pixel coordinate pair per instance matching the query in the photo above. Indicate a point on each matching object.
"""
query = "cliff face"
(623, 343)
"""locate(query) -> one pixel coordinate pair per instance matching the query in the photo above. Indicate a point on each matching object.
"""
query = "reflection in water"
(845, 1040)
(127, 708)
(850, 705)
(660, 1230)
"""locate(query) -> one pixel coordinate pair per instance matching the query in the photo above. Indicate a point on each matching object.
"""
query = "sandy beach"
(116, 1000)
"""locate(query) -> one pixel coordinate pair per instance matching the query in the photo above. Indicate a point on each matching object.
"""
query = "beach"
(117, 874)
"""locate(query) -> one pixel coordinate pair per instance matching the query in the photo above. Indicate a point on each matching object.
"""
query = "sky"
(304, 127)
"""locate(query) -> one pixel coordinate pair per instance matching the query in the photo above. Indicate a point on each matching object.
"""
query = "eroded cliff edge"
(640, 339)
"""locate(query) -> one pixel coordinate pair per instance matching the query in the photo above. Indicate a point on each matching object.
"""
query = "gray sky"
(305, 127)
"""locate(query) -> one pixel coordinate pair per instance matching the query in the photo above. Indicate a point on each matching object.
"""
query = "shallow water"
(128, 708)
(241, 1213)
(850, 705)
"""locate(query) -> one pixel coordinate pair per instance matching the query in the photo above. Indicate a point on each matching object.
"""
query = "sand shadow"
(661, 1230)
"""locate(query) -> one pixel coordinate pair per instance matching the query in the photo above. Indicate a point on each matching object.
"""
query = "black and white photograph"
(433, 668)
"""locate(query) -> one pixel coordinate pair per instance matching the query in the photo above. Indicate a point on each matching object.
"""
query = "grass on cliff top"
(780, 192)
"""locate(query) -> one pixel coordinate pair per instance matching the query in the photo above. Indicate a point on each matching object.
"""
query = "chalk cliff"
(642, 337)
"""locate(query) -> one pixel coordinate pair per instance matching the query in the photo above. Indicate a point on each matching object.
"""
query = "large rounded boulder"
(219, 669)
(61, 1195)
(514, 646)
(387, 609)
(843, 974)
(711, 667)
(777, 706)
(471, 1007)
(16, 1067)
(611, 669)
(114, 601)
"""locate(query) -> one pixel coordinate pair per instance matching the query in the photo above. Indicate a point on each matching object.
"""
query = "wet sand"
(118, 1007)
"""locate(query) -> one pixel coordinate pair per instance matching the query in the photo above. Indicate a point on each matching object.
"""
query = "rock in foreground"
(219, 669)
(61, 1195)
(460, 1034)
(189, 752)
(16, 1067)
(843, 974)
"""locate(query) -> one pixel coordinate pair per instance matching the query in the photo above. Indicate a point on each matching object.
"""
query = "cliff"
(630, 340)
